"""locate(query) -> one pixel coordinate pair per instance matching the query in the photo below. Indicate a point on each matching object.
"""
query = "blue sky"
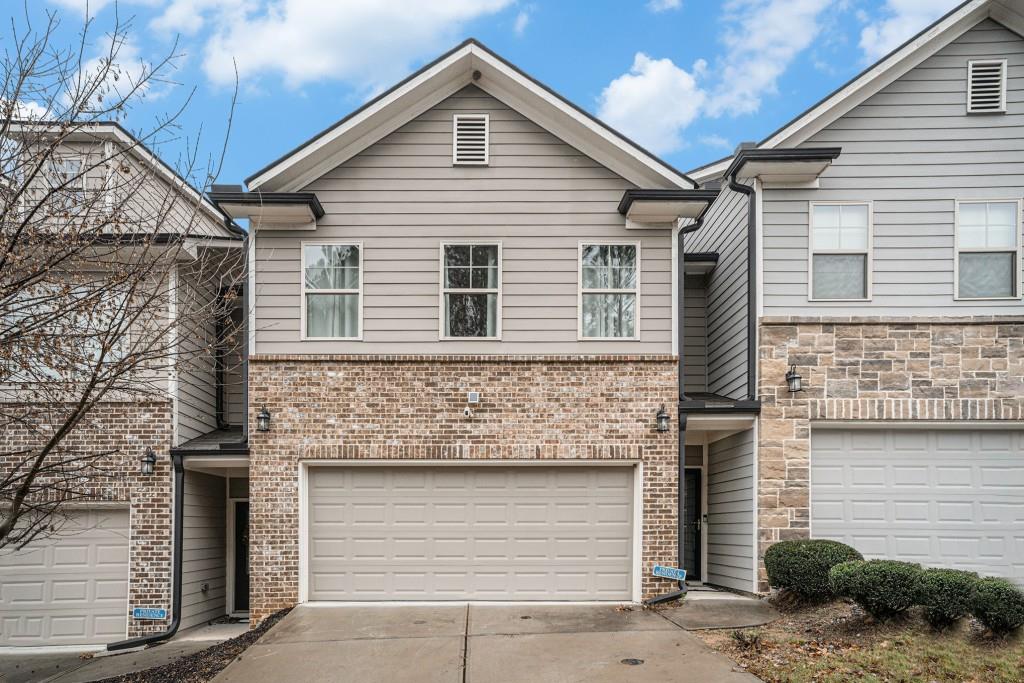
(689, 79)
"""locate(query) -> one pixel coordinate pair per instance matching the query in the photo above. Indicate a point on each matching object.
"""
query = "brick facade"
(887, 369)
(125, 430)
(410, 407)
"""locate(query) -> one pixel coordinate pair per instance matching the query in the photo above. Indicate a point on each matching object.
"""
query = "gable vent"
(471, 139)
(986, 86)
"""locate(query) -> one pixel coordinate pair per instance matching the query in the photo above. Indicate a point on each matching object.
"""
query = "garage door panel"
(508, 533)
(950, 498)
(69, 589)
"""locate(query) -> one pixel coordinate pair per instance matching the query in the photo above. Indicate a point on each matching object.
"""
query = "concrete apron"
(499, 644)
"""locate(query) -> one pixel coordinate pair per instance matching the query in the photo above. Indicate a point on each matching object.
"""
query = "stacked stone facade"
(411, 408)
(123, 431)
(885, 369)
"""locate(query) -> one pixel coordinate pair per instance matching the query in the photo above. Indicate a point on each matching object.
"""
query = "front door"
(692, 524)
(241, 556)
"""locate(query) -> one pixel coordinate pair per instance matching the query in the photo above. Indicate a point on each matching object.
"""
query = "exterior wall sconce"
(147, 462)
(263, 420)
(662, 419)
(794, 380)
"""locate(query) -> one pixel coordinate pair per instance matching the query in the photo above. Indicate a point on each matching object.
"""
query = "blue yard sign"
(149, 613)
(669, 573)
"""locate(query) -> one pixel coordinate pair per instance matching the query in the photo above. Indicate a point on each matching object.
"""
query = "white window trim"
(455, 138)
(442, 290)
(1018, 249)
(869, 252)
(1003, 85)
(580, 291)
(302, 287)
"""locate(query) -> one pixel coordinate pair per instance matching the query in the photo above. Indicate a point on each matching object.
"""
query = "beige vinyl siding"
(402, 198)
(730, 527)
(203, 552)
(912, 150)
(695, 339)
(725, 232)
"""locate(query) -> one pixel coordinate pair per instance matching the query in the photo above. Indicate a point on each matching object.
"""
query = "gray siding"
(402, 197)
(912, 150)
(725, 232)
(197, 383)
(731, 512)
(203, 552)
(234, 376)
(695, 333)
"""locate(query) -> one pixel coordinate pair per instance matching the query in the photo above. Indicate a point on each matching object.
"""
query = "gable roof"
(469, 62)
(942, 32)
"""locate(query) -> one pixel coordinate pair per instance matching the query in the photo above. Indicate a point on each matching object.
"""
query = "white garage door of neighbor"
(470, 533)
(71, 588)
(944, 497)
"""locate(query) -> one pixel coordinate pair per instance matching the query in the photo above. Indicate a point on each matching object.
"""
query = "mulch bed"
(201, 666)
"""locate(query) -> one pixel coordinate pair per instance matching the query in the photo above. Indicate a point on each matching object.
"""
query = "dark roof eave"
(630, 196)
(700, 257)
(258, 198)
(797, 154)
(744, 406)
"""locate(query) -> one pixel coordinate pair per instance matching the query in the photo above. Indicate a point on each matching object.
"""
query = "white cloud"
(663, 5)
(715, 141)
(902, 20)
(654, 102)
(523, 20)
(762, 38)
(370, 43)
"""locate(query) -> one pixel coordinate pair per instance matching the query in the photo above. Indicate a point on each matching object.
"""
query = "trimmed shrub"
(802, 566)
(998, 604)
(945, 595)
(883, 588)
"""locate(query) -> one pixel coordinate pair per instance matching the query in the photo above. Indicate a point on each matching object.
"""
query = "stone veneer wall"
(872, 369)
(410, 407)
(124, 430)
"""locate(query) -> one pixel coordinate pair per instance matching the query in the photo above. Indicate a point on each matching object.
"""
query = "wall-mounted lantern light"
(794, 380)
(148, 461)
(263, 420)
(662, 419)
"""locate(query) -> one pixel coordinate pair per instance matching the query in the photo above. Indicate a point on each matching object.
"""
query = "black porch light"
(794, 380)
(148, 461)
(662, 419)
(263, 420)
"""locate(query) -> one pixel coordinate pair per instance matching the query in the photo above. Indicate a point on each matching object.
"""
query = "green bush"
(883, 588)
(998, 604)
(802, 566)
(945, 595)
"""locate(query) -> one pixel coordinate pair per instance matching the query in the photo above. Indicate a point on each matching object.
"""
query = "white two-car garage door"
(70, 589)
(941, 497)
(455, 532)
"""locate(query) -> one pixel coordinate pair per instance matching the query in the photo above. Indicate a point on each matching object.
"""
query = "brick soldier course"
(872, 368)
(410, 408)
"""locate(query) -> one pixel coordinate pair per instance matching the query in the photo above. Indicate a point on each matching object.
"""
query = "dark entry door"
(241, 556)
(692, 522)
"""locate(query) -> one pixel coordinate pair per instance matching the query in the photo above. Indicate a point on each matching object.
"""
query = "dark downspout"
(680, 336)
(736, 186)
(179, 507)
(246, 319)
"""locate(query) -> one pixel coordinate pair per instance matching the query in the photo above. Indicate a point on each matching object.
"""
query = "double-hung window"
(68, 184)
(332, 284)
(988, 250)
(609, 291)
(471, 291)
(840, 265)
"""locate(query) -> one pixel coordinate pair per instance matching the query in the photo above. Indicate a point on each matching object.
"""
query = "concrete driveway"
(496, 644)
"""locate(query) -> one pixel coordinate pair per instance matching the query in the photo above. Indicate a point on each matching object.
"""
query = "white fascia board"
(444, 79)
(880, 75)
(711, 171)
(363, 126)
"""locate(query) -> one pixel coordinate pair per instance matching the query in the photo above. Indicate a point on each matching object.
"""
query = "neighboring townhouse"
(116, 549)
(885, 227)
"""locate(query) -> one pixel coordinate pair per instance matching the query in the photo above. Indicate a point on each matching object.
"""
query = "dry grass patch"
(836, 642)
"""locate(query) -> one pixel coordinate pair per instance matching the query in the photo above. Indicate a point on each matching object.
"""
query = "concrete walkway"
(493, 644)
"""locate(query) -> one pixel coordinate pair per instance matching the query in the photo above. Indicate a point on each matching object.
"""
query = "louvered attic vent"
(471, 139)
(986, 86)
